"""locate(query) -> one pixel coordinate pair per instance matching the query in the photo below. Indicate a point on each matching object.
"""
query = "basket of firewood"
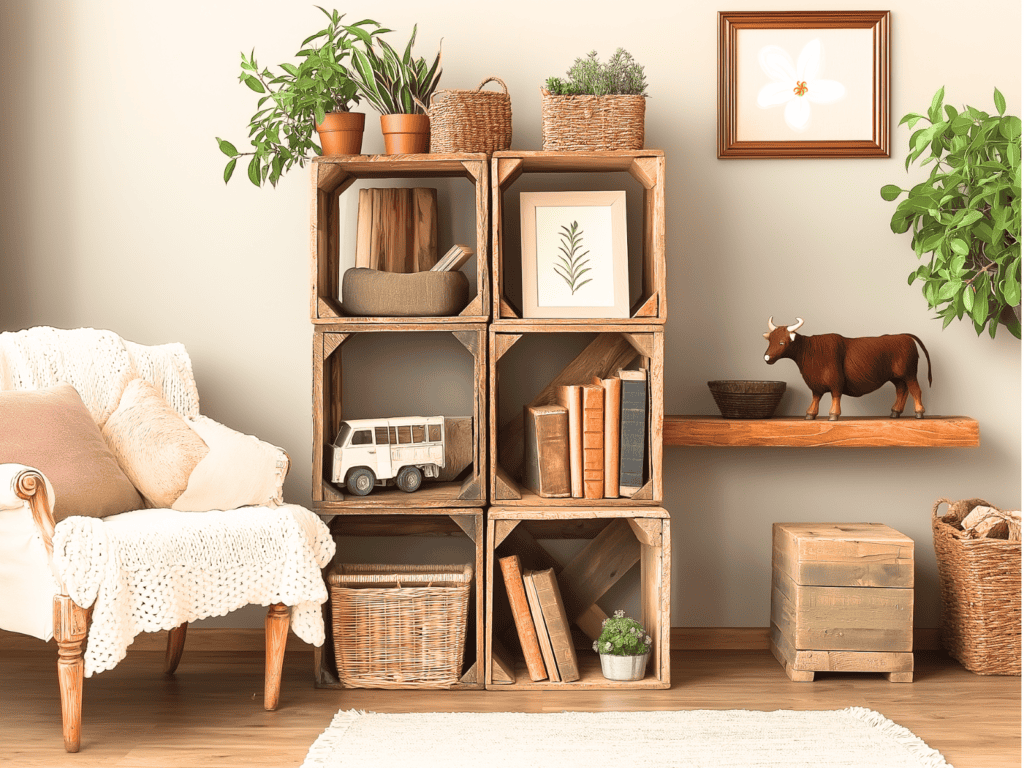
(977, 547)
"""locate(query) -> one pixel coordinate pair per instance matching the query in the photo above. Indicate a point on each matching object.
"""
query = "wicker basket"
(399, 626)
(981, 585)
(471, 120)
(592, 123)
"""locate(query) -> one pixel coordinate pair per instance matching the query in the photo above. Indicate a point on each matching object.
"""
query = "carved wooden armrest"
(29, 485)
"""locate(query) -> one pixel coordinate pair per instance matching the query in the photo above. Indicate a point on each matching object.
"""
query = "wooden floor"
(211, 711)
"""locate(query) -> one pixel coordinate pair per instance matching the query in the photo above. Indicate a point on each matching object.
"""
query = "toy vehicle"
(369, 452)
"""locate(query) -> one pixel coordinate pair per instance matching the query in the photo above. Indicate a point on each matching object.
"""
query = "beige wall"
(114, 215)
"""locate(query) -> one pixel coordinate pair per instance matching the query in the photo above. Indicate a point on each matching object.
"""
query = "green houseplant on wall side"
(966, 215)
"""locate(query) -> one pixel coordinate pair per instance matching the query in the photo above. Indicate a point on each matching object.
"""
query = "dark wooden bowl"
(747, 399)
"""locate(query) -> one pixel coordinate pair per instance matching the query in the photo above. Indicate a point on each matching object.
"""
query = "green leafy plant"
(620, 75)
(393, 84)
(298, 97)
(966, 215)
(622, 636)
(572, 261)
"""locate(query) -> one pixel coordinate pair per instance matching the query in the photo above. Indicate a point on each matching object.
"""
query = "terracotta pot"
(341, 133)
(405, 134)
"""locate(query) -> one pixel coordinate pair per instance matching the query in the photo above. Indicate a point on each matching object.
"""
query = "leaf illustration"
(572, 261)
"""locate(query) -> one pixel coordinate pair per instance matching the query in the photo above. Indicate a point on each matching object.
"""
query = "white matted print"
(575, 261)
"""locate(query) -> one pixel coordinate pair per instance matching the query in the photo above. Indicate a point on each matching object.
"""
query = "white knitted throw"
(153, 570)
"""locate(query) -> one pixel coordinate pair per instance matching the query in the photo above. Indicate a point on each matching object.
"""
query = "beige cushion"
(51, 430)
(154, 445)
(370, 293)
(239, 471)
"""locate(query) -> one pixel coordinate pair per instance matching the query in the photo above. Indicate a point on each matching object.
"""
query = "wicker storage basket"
(592, 123)
(471, 120)
(981, 584)
(399, 626)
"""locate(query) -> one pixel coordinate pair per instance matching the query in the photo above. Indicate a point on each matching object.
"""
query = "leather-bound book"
(632, 431)
(593, 441)
(569, 395)
(512, 572)
(546, 451)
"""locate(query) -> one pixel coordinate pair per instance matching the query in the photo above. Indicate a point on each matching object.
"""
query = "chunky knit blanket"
(153, 570)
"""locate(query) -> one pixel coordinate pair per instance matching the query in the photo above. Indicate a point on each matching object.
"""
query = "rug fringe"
(332, 738)
(930, 758)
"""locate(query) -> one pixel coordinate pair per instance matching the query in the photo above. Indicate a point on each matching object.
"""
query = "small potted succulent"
(598, 106)
(624, 646)
(399, 87)
(317, 94)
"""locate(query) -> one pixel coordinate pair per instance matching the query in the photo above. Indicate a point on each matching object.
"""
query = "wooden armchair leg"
(175, 645)
(70, 625)
(278, 618)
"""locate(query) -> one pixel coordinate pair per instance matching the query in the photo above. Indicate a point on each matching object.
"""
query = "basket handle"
(935, 508)
(493, 79)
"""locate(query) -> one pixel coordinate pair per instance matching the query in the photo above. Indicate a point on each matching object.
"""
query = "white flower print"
(796, 87)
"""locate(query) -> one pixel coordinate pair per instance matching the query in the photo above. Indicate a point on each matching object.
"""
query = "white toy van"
(369, 452)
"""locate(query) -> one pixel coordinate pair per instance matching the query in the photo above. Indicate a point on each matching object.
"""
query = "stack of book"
(590, 445)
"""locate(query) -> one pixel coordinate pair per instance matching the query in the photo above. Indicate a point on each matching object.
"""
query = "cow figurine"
(841, 366)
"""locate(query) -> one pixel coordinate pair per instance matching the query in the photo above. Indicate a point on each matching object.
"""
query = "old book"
(557, 623)
(569, 395)
(542, 631)
(632, 431)
(512, 572)
(546, 450)
(612, 401)
(593, 441)
(453, 260)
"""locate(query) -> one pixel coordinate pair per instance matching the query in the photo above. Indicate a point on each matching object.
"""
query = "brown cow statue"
(841, 366)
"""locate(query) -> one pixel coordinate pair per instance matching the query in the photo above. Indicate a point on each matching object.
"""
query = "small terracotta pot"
(405, 134)
(341, 133)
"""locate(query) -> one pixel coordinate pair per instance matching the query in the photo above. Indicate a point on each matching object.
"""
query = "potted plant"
(966, 214)
(399, 87)
(599, 106)
(316, 94)
(624, 646)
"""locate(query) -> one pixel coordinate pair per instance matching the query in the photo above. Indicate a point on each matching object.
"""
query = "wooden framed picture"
(803, 84)
(575, 262)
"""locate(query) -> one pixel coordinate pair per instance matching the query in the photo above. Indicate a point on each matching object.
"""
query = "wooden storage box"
(842, 599)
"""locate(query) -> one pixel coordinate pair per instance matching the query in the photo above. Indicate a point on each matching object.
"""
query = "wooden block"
(802, 664)
(396, 229)
(844, 554)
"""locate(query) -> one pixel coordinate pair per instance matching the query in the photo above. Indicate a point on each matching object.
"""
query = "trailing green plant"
(393, 84)
(966, 215)
(572, 261)
(622, 636)
(295, 99)
(620, 75)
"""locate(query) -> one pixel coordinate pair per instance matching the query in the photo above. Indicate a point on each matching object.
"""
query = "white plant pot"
(624, 667)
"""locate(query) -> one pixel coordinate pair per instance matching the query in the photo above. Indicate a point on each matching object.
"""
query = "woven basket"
(471, 120)
(399, 626)
(592, 123)
(981, 585)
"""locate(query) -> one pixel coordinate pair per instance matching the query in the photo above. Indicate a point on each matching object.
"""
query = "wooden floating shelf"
(797, 432)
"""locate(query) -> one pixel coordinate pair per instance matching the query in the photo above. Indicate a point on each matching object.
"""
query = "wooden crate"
(842, 599)
(414, 522)
(331, 176)
(646, 166)
(619, 538)
(328, 362)
(613, 347)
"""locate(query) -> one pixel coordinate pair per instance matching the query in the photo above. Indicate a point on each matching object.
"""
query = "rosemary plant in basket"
(589, 76)
(622, 636)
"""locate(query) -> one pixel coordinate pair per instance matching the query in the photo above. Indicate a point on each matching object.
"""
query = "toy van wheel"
(360, 481)
(409, 479)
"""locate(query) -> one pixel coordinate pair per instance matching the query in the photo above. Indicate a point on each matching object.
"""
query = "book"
(512, 573)
(570, 396)
(632, 431)
(557, 623)
(546, 450)
(612, 400)
(542, 631)
(453, 260)
(593, 441)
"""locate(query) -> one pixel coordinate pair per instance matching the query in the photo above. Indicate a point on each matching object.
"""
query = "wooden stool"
(842, 599)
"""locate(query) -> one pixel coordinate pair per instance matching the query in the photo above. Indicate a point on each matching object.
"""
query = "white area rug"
(847, 738)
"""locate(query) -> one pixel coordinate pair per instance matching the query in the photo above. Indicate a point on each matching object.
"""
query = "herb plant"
(967, 214)
(295, 99)
(396, 85)
(622, 636)
(572, 264)
(620, 75)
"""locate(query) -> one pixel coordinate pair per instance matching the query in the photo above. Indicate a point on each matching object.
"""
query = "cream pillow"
(153, 444)
(239, 471)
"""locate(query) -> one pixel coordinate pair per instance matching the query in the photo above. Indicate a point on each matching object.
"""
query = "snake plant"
(393, 84)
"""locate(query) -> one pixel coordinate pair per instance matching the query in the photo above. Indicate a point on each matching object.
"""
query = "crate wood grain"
(328, 355)
(331, 176)
(646, 166)
(619, 539)
(467, 523)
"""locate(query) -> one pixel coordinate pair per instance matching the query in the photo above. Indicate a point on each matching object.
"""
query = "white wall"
(114, 215)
